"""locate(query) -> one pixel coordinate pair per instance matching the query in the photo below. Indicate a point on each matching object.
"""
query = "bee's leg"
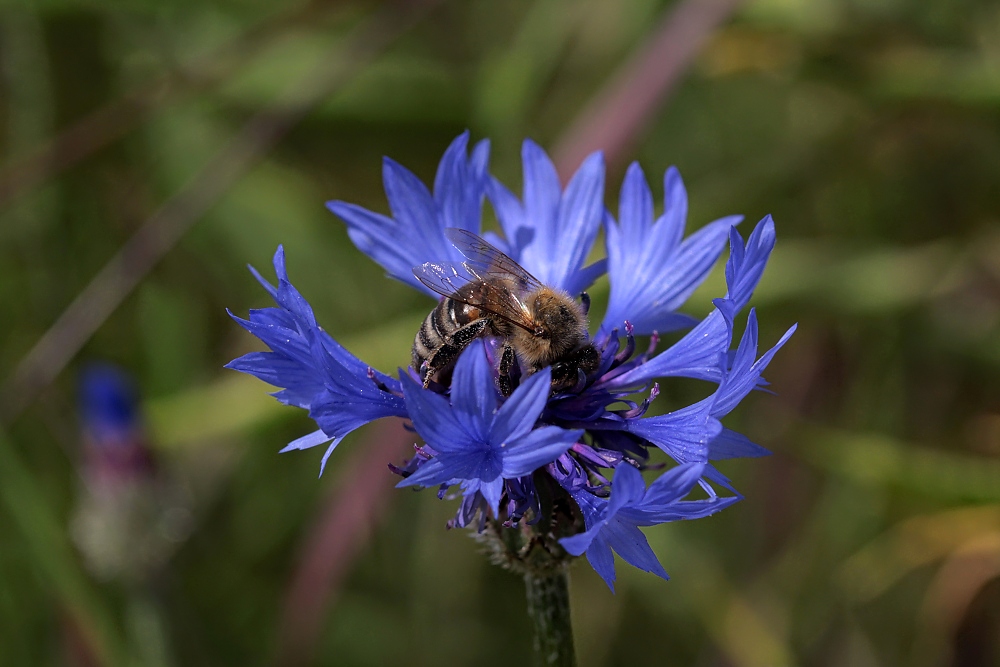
(507, 360)
(563, 376)
(567, 373)
(445, 355)
(585, 302)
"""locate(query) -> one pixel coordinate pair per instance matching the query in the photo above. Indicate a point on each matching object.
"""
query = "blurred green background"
(870, 129)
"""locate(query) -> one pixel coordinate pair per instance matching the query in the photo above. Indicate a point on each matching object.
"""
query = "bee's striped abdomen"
(437, 327)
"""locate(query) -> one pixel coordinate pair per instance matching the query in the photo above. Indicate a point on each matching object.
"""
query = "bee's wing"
(464, 283)
(489, 263)
(445, 278)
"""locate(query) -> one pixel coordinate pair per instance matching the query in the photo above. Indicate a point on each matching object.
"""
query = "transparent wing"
(489, 279)
(446, 278)
(488, 262)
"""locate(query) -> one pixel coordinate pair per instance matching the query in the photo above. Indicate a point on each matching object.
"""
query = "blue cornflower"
(117, 452)
(108, 404)
(568, 457)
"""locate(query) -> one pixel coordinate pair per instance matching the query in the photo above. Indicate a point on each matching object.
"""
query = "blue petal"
(627, 488)
(592, 507)
(301, 382)
(579, 220)
(326, 455)
(732, 445)
(635, 206)
(683, 434)
(675, 204)
(435, 421)
(585, 277)
(520, 412)
(492, 490)
(746, 264)
(340, 413)
(697, 354)
(352, 368)
(380, 238)
(412, 205)
(629, 542)
(552, 235)
(307, 441)
(651, 272)
(473, 391)
(745, 267)
(512, 219)
(284, 341)
(292, 301)
(279, 268)
(458, 186)
(314, 370)
(431, 473)
(536, 449)
(575, 545)
(541, 192)
(415, 233)
(746, 374)
(602, 560)
(312, 440)
(679, 511)
(673, 485)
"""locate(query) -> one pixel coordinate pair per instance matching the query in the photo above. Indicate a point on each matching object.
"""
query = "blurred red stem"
(338, 537)
(616, 116)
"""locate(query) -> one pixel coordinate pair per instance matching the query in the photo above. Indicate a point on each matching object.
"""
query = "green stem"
(548, 608)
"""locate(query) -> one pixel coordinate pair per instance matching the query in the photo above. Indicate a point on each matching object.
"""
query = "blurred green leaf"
(876, 459)
(868, 281)
(912, 544)
(955, 76)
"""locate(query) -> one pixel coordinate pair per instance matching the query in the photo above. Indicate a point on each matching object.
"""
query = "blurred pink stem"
(338, 538)
(624, 107)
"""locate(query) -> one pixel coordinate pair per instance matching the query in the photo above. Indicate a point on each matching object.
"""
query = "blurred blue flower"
(116, 450)
(108, 404)
(513, 458)
(130, 514)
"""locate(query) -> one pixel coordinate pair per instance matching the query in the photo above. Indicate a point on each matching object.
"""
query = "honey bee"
(490, 294)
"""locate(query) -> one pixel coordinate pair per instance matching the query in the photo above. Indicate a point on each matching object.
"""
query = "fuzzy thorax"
(560, 328)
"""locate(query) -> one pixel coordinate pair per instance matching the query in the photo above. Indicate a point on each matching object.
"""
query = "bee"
(490, 294)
